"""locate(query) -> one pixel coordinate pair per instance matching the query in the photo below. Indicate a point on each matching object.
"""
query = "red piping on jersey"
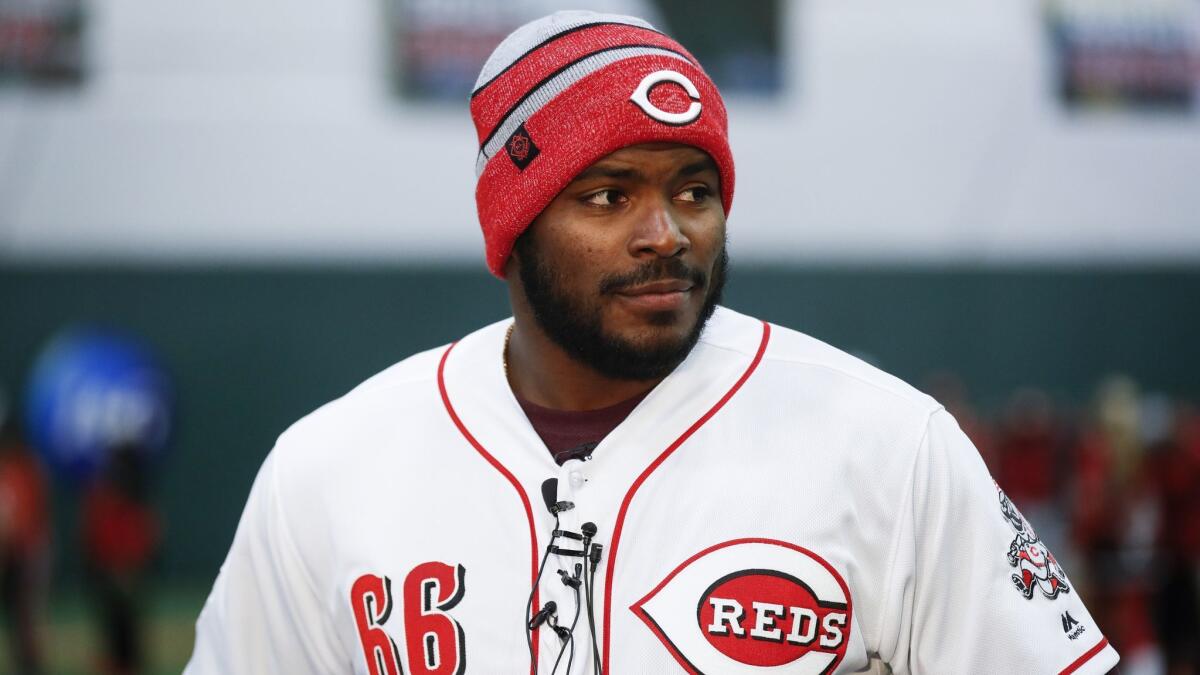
(1087, 656)
(616, 538)
(511, 479)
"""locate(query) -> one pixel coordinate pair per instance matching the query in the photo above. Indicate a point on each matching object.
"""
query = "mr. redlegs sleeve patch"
(1036, 566)
(750, 604)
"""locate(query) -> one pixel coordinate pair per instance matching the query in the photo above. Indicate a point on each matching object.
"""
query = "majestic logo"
(1036, 566)
(758, 602)
(1071, 626)
(641, 96)
(434, 642)
(521, 148)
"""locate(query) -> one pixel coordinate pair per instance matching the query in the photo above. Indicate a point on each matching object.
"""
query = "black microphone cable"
(575, 621)
(593, 551)
(569, 641)
(547, 614)
(590, 584)
(532, 622)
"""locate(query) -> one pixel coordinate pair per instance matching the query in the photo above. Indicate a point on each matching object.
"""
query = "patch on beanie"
(521, 148)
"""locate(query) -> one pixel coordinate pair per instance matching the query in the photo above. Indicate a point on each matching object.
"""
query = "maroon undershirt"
(575, 433)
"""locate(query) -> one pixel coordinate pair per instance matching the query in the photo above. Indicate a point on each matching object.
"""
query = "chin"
(655, 330)
(681, 322)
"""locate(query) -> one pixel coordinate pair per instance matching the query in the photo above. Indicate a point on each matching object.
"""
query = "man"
(120, 529)
(626, 478)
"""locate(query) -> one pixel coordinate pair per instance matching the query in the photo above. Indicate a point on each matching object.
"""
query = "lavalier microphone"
(543, 615)
(550, 497)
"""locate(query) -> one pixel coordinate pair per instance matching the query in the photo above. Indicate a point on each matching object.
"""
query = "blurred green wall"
(253, 349)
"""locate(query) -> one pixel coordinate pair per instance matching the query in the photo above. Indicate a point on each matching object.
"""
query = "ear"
(512, 265)
(520, 246)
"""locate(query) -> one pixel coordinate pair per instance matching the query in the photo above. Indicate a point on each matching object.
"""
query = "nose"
(657, 232)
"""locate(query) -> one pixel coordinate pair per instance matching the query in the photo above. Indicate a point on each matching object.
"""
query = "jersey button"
(577, 480)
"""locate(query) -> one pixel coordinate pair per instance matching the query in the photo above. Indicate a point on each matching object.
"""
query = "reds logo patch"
(1036, 566)
(751, 606)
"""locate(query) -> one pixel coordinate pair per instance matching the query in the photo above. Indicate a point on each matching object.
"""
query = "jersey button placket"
(571, 484)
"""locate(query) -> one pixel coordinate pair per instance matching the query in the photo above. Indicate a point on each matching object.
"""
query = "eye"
(695, 193)
(607, 197)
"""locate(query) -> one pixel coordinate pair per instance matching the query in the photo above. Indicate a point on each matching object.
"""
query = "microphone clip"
(572, 581)
(543, 615)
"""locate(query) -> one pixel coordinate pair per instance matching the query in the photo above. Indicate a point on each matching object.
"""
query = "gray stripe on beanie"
(555, 86)
(534, 33)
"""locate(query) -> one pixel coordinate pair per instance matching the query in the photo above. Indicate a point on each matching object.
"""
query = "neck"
(541, 372)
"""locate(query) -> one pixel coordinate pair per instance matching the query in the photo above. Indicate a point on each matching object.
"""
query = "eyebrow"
(699, 166)
(601, 171)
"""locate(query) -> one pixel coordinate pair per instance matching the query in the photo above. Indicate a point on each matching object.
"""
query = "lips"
(657, 296)
(658, 287)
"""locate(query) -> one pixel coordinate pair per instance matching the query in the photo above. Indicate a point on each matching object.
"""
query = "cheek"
(580, 254)
(711, 237)
(575, 270)
(561, 233)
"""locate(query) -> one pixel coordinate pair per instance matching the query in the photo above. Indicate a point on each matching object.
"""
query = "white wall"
(230, 130)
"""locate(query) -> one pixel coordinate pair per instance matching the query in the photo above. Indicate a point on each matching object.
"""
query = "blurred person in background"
(1176, 476)
(1114, 514)
(120, 537)
(1029, 447)
(24, 545)
(949, 389)
(1031, 463)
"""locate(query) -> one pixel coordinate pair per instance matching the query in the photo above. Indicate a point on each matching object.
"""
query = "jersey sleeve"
(974, 589)
(264, 614)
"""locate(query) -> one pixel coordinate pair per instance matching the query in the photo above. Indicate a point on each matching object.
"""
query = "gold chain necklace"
(504, 354)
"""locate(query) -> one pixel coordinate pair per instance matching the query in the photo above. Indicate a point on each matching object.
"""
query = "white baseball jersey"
(773, 506)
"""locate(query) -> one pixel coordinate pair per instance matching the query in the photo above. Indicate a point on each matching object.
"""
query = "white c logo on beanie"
(641, 96)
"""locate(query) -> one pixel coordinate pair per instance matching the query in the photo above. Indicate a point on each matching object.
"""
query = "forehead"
(650, 157)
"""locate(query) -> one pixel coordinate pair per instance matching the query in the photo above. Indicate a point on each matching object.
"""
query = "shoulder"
(368, 437)
(387, 393)
(380, 420)
(798, 364)
(372, 427)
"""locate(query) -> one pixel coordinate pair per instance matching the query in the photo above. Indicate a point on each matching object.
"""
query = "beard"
(576, 325)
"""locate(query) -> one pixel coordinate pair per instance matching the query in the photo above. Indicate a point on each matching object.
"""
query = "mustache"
(658, 270)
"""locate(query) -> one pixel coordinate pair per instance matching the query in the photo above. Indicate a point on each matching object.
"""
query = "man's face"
(626, 264)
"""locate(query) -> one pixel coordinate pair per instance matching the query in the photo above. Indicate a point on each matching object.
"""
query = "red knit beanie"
(563, 91)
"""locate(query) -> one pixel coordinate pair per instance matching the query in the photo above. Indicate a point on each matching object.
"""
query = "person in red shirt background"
(121, 533)
(24, 546)
(1176, 475)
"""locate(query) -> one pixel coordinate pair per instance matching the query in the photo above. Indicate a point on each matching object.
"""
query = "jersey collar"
(476, 389)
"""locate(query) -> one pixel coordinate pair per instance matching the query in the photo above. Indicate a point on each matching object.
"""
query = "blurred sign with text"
(436, 48)
(1131, 54)
(41, 42)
